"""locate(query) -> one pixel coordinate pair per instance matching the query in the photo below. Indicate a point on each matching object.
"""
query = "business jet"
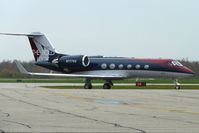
(98, 67)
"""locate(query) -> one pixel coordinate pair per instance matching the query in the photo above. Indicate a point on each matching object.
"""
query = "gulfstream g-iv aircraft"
(98, 67)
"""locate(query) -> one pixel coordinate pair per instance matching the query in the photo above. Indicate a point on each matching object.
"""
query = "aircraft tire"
(88, 86)
(106, 86)
(177, 87)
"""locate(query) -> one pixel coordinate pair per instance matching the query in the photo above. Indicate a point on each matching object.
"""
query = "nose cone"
(188, 71)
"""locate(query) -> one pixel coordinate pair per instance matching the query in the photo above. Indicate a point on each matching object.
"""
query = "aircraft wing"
(24, 71)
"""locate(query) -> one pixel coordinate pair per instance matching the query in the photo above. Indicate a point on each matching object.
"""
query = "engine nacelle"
(74, 62)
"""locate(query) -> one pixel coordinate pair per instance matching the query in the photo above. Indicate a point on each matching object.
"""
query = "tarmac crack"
(68, 113)
(28, 126)
(6, 114)
(172, 119)
(156, 117)
(1, 131)
(105, 122)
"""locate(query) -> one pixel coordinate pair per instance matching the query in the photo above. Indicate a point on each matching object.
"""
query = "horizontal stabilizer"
(31, 34)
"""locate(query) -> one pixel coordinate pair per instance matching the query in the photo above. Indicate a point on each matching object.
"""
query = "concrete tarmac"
(26, 107)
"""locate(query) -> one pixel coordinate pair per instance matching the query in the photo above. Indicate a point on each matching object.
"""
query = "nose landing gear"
(177, 84)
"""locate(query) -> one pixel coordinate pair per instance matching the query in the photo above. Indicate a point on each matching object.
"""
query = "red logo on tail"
(35, 50)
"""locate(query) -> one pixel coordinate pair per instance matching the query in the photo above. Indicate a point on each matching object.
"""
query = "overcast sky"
(135, 28)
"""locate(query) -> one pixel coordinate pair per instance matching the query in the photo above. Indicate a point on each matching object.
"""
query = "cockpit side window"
(176, 63)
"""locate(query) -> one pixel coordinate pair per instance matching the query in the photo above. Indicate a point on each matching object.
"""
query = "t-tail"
(42, 49)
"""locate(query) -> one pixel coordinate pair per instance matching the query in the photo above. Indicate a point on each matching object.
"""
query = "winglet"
(20, 67)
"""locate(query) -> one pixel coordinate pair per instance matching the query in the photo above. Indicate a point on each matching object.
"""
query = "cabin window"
(129, 66)
(137, 66)
(146, 66)
(112, 66)
(120, 66)
(104, 66)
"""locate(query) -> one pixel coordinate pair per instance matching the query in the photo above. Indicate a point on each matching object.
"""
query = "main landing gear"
(177, 84)
(88, 84)
(107, 84)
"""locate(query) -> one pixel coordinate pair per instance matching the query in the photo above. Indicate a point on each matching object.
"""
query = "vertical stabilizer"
(42, 49)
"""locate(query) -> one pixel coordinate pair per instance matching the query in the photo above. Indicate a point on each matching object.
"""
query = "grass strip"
(156, 87)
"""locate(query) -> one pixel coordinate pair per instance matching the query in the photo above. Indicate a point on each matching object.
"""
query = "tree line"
(8, 69)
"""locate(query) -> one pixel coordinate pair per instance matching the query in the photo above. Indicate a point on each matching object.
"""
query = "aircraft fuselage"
(128, 67)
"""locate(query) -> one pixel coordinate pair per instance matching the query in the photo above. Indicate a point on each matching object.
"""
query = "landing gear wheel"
(88, 86)
(177, 87)
(106, 86)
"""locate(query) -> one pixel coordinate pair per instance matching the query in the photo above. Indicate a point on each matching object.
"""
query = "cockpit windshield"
(176, 63)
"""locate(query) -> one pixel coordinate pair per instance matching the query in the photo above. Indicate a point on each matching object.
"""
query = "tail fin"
(42, 49)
